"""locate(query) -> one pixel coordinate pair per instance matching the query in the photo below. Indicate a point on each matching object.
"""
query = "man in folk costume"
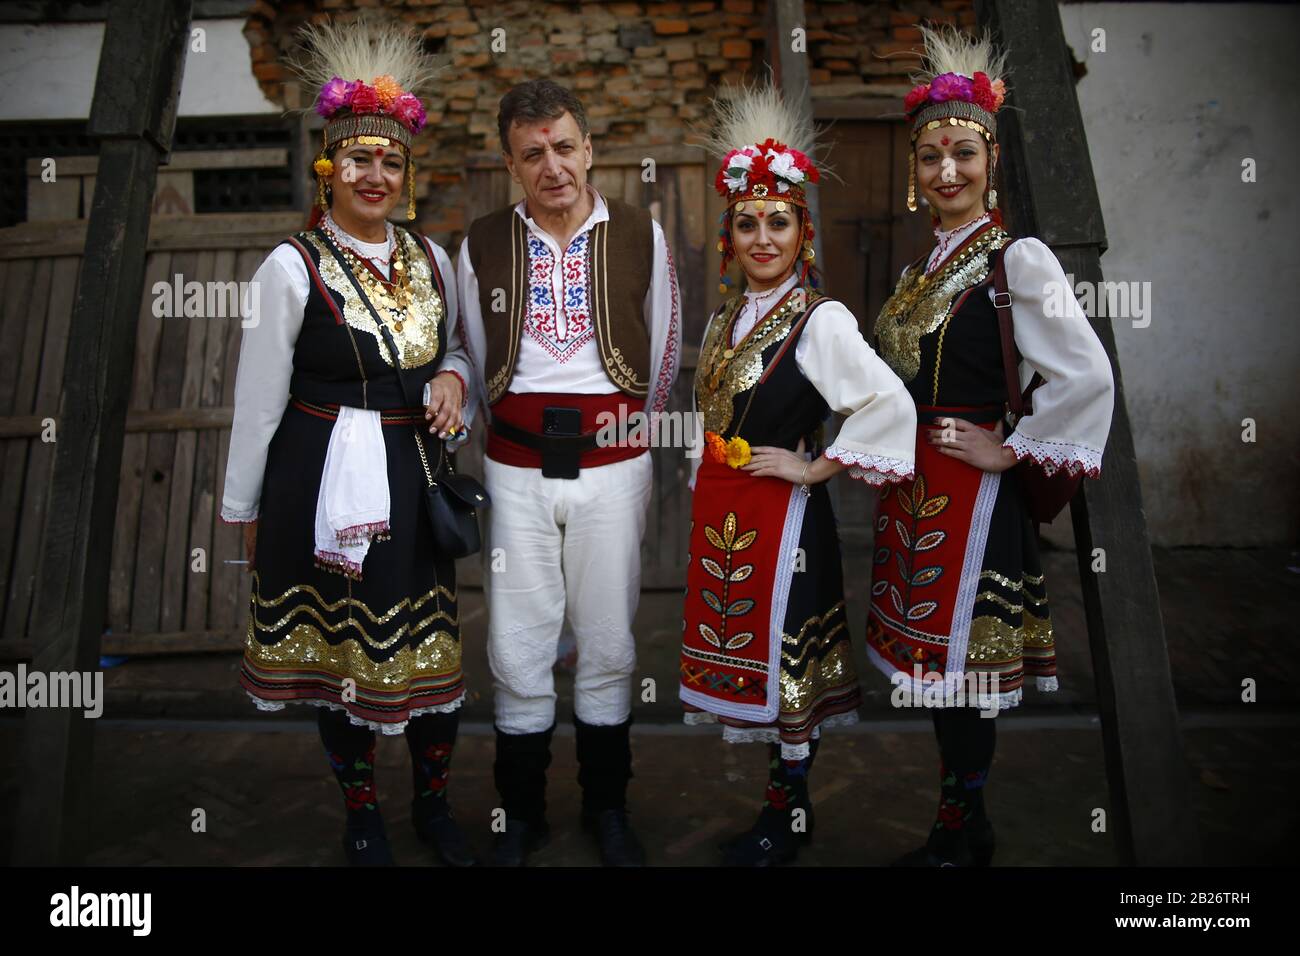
(353, 607)
(766, 649)
(571, 314)
(957, 589)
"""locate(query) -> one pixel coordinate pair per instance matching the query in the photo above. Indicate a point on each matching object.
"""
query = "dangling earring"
(410, 179)
(911, 181)
(991, 195)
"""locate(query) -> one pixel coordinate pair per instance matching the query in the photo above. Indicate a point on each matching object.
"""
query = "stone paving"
(178, 735)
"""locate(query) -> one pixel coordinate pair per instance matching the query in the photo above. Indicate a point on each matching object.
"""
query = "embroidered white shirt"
(1073, 407)
(266, 363)
(878, 438)
(557, 348)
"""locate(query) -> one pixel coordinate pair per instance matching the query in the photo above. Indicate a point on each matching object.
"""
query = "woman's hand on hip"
(979, 447)
(769, 462)
(446, 399)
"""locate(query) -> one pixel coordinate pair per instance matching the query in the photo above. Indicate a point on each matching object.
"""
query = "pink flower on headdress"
(409, 111)
(334, 96)
(365, 100)
(916, 97)
(999, 93)
(950, 86)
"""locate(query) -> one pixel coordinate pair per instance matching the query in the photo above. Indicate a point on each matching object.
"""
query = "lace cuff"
(873, 469)
(1053, 456)
(238, 516)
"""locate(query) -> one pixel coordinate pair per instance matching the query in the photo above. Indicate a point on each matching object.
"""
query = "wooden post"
(791, 75)
(1051, 194)
(134, 116)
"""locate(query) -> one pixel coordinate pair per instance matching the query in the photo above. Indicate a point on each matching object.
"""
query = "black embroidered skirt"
(384, 648)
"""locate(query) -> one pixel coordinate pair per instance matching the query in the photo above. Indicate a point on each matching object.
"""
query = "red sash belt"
(524, 410)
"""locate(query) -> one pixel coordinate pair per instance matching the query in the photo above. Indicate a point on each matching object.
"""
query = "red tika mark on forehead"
(945, 141)
(379, 151)
(545, 129)
(760, 215)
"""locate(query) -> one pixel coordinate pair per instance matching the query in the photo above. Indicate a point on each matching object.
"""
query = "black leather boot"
(520, 774)
(604, 769)
(436, 825)
(971, 846)
(367, 847)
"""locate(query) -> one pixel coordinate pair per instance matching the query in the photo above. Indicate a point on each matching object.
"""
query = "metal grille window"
(215, 190)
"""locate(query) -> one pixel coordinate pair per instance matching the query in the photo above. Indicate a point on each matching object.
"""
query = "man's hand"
(445, 400)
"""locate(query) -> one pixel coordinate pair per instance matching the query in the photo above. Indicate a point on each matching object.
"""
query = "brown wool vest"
(620, 257)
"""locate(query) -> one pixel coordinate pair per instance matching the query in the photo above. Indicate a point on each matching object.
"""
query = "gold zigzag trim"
(403, 604)
(818, 642)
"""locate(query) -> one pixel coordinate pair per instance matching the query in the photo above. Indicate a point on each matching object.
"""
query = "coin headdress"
(767, 149)
(369, 75)
(963, 85)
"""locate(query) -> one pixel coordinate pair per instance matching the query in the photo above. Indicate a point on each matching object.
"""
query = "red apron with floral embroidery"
(744, 539)
(931, 533)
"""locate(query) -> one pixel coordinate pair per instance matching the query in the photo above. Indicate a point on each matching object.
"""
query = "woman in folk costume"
(958, 601)
(765, 650)
(350, 375)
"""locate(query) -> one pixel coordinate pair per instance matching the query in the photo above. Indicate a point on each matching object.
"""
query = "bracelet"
(803, 480)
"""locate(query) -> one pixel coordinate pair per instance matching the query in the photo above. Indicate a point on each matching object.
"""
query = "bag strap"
(386, 336)
(1006, 330)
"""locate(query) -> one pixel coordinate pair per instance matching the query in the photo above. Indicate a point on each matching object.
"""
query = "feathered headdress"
(962, 84)
(369, 75)
(768, 150)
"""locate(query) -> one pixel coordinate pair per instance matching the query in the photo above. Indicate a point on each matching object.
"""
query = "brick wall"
(645, 71)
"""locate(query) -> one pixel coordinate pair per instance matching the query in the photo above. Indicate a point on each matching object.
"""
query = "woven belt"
(391, 416)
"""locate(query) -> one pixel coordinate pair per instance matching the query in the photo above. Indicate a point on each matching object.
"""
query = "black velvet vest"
(340, 357)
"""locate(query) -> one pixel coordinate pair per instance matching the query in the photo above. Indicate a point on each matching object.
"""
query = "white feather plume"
(363, 49)
(747, 115)
(949, 50)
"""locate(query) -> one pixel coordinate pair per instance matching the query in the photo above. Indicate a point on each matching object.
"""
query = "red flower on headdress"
(982, 92)
(916, 97)
(365, 100)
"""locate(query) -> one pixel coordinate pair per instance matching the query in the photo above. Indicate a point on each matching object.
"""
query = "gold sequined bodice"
(413, 320)
(725, 372)
(920, 303)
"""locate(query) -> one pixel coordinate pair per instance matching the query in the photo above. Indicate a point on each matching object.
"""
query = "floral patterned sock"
(431, 738)
(787, 789)
(966, 746)
(351, 751)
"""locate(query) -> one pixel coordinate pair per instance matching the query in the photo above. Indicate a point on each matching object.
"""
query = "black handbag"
(451, 501)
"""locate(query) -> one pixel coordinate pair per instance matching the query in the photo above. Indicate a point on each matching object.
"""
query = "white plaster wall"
(1182, 94)
(47, 71)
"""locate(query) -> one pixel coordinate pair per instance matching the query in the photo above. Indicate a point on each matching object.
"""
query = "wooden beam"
(224, 230)
(133, 115)
(139, 645)
(137, 420)
(1052, 194)
(273, 157)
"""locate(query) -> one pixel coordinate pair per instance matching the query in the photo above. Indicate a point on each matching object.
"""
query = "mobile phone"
(561, 421)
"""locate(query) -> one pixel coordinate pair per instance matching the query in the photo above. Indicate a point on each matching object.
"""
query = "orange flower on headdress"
(387, 89)
(324, 168)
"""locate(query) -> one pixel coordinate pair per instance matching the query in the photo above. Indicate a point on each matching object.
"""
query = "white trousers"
(560, 547)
